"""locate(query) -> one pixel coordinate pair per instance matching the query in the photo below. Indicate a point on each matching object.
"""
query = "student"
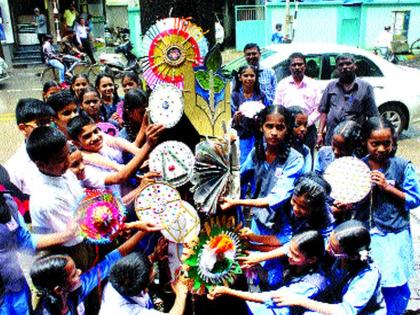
(56, 192)
(87, 137)
(91, 103)
(395, 191)
(246, 88)
(275, 167)
(79, 82)
(49, 88)
(129, 81)
(65, 108)
(300, 128)
(14, 237)
(345, 142)
(30, 114)
(304, 278)
(134, 116)
(355, 287)
(126, 292)
(309, 211)
(63, 286)
(106, 87)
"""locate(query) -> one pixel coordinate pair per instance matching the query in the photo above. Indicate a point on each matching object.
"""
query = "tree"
(201, 12)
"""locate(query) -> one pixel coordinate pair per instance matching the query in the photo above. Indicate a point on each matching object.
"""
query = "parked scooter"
(115, 64)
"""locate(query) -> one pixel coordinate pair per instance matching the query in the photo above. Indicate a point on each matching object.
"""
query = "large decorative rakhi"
(100, 215)
(213, 260)
(161, 204)
(349, 178)
(166, 105)
(170, 45)
(108, 128)
(174, 160)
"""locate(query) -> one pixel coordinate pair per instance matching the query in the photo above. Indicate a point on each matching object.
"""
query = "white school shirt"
(53, 203)
(21, 170)
(113, 303)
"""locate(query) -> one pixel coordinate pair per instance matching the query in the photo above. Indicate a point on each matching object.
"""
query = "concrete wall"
(321, 22)
(379, 14)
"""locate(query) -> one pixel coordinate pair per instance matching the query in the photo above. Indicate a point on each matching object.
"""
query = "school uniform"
(21, 169)
(307, 157)
(14, 236)
(275, 182)
(89, 281)
(356, 292)
(311, 285)
(389, 220)
(114, 303)
(246, 127)
(53, 202)
(324, 157)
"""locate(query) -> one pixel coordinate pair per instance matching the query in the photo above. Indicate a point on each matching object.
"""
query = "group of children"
(308, 252)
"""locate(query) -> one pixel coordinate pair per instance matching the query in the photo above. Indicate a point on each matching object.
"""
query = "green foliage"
(213, 60)
(203, 79)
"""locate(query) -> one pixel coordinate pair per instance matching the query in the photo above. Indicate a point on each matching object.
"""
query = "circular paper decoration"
(349, 178)
(108, 128)
(213, 260)
(174, 160)
(166, 105)
(170, 44)
(161, 204)
(100, 216)
(251, 108)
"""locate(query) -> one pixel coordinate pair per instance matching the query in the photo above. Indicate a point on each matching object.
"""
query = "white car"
(4, 74)
(396, 87)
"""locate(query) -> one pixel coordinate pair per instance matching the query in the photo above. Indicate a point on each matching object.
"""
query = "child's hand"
(237, 117)
(379, 179)
(117, 118)
(246, 234)
(216, 292)
(152, 133)
(320, 140)
(226, 203)
(161, 250)
(285, 298)
(143, 226)
(339, 207)
(253, 259)
(149, 178)
(179, 287)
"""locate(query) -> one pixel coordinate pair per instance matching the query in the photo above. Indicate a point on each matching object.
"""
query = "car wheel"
(396, 115)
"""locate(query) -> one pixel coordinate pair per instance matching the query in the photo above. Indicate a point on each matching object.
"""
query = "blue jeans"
(59, 66)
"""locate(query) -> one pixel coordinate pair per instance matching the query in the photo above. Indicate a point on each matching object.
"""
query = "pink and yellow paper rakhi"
(100, 215)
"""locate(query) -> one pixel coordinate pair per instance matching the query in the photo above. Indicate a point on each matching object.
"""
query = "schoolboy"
(65, 108)
(56, 191)
(30, 114)
(88, 137)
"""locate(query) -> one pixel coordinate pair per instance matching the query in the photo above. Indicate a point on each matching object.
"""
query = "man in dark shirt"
(346, 98)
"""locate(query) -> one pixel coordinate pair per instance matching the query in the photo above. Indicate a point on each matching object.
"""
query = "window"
(365, 67)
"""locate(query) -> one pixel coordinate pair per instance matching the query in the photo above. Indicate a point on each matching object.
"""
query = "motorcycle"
(115, 64)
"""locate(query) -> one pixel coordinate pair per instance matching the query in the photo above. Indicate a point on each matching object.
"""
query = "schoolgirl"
(395, 192)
